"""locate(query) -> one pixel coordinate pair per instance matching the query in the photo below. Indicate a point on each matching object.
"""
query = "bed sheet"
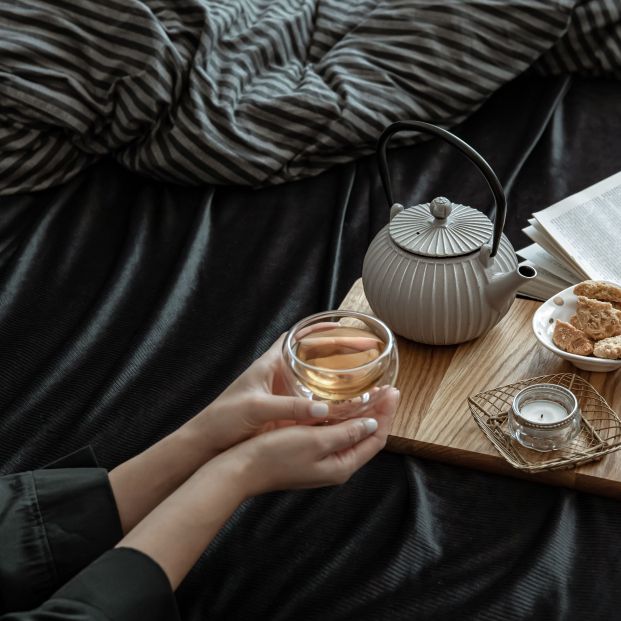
(126, 304)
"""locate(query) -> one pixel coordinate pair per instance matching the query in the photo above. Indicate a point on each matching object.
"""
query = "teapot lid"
(440, 229)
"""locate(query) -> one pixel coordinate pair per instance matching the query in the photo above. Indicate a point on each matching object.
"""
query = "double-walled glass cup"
(342, 357)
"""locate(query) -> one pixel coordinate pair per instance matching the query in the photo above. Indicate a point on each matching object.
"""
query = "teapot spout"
(502, 287)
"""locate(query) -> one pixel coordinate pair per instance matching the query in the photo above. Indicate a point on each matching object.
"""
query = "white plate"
(543, 326)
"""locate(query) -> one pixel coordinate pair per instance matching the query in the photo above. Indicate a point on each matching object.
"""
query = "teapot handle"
(500, 201)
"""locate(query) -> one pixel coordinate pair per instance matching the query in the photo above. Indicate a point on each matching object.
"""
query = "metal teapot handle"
(500, 201)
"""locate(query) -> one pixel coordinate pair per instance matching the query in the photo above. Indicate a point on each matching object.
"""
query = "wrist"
(178, 530)
(237, 467)
(195, 438)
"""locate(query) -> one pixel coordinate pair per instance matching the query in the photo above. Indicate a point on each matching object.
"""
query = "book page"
(587, 225)
(544, 260)
(549, 245)
(539, 235)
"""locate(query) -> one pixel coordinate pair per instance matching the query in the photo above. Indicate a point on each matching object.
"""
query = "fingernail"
(319, 410)
(370, 425)
(395, 392)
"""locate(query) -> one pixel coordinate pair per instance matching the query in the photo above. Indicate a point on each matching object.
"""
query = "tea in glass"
(340, 356)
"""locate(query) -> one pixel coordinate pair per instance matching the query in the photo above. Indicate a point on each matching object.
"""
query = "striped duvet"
(262, 91)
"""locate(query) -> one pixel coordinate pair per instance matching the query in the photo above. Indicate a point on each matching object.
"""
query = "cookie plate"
(562, 306)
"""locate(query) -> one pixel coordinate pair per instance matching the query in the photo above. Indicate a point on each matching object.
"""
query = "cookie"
(571, 340)
(608, 348)
(598, 320)
(599, 290)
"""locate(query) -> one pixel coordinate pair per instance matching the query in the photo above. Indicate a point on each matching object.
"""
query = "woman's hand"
(177, 531)
(302, 456)
(254, 403)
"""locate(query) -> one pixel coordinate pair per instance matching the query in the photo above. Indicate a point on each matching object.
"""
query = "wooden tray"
(433, 419)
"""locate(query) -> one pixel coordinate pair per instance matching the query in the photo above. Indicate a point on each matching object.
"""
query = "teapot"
(441, 273)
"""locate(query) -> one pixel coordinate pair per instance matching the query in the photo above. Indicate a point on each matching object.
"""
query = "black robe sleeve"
(53, 524)
(122, 585)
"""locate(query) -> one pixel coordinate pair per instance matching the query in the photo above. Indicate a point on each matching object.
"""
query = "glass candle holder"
(341, 357)
(544, 417)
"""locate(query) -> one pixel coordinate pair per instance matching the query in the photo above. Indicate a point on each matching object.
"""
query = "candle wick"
(541, 416)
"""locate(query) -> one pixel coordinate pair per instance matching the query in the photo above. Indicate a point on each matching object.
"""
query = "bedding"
(259, 92)
(127, 304)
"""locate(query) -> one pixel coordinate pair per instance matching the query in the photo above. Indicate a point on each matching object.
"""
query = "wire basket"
(600, 429)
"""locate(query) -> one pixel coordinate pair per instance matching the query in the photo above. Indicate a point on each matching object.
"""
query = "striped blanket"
(262, 91)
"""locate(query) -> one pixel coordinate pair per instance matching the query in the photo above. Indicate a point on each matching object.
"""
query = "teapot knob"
(441, 207)
(396, 209)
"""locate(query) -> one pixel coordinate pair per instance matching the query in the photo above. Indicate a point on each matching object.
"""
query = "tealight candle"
(543, 411)
(544, 417)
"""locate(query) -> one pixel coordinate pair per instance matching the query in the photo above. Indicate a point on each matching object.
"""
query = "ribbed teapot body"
(430, 300)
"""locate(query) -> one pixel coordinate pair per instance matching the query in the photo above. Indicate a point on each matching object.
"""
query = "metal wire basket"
(600, 429)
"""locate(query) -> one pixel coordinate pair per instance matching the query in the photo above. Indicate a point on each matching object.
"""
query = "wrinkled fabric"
(407, 539)
(127, 304)
(263, 91)
(53, 523)
(121, 585)
(58, 526)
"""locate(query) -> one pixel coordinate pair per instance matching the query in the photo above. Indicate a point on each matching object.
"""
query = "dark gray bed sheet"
(127, 304)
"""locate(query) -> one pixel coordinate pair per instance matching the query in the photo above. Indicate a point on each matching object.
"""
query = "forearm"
(143, 482)
(176, 532)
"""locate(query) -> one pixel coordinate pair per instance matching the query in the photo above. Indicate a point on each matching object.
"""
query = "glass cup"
(342, 357)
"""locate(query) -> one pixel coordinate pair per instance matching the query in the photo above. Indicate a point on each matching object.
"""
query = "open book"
(576, 239)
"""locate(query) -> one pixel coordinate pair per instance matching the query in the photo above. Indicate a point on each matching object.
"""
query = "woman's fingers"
(312, 456)
(267, 407)
(342, 462)
(309, 455)
(335, 438)
(347, 434)
(338, 467)
(322, 325)
(386, 400)
(270, 408)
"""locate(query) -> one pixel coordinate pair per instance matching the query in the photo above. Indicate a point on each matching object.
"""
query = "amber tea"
(340, 356)
(336, 361)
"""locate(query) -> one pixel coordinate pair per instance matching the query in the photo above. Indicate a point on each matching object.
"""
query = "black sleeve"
(53, 522)
(122, 585)
(56, 522)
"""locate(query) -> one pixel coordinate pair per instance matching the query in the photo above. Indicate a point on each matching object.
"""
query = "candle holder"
(544, 417)
(531, 446)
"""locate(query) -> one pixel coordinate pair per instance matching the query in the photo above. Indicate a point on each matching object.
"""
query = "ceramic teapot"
(441, 273)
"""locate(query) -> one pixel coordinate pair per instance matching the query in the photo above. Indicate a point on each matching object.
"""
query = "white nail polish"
(370, 425)
(319, 410)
